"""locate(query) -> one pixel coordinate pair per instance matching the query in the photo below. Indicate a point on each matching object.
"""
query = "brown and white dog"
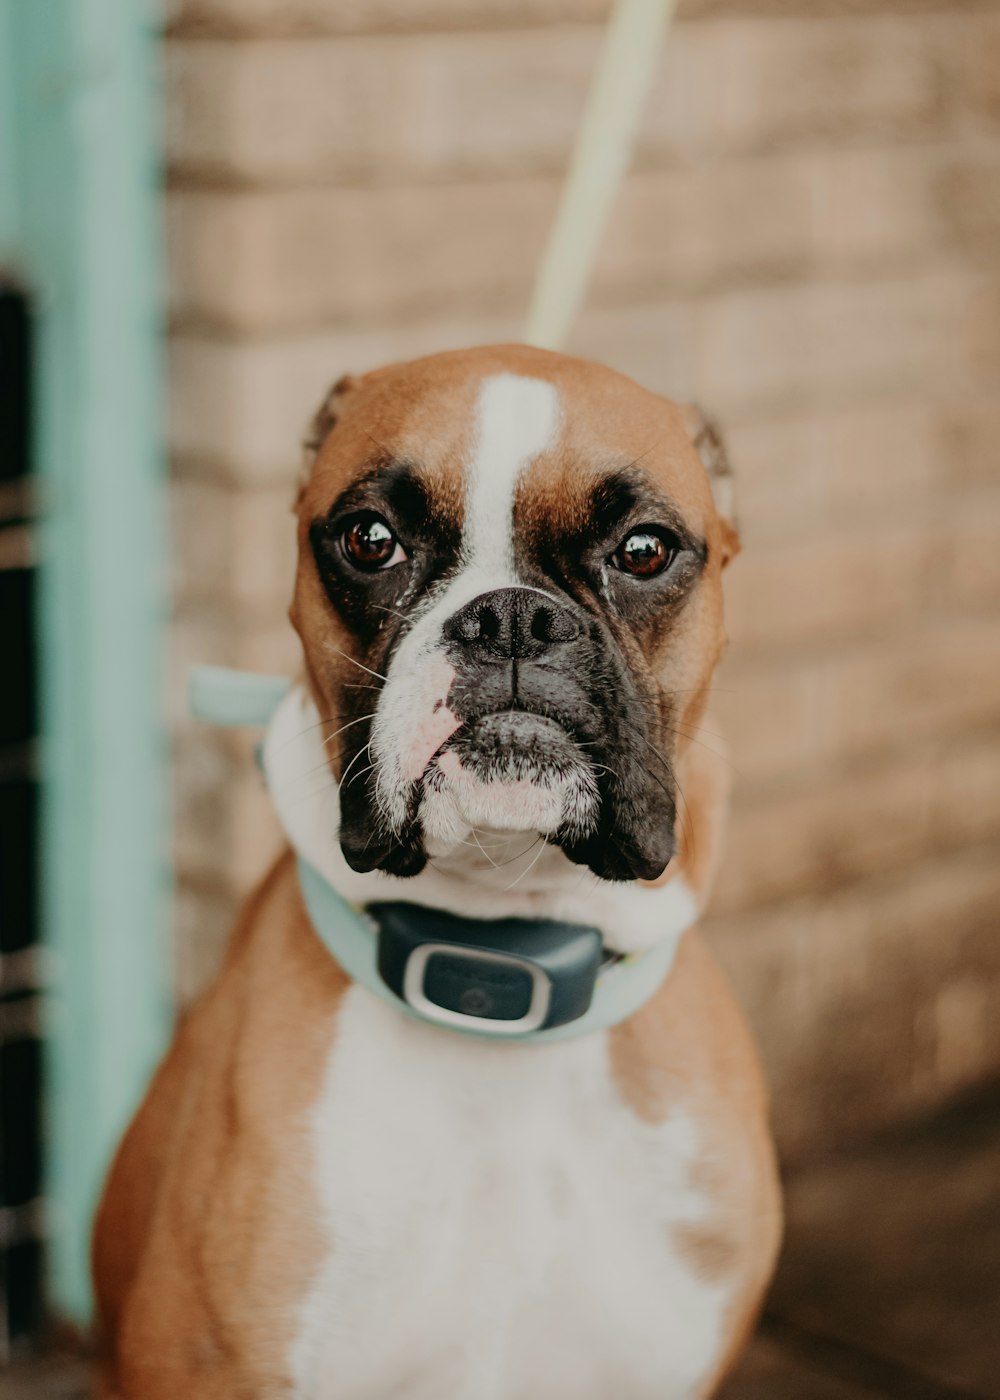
(509, 597)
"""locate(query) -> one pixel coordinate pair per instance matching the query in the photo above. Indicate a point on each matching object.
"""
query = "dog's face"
(509, 598)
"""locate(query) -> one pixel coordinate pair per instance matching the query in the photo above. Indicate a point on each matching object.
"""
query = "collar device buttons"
(514, 975)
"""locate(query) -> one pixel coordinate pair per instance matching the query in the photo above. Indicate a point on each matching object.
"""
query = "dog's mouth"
(510, 770)
(519, 770)
(513, 744)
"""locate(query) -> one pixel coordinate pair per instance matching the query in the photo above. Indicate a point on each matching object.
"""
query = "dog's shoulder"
(205, 1167)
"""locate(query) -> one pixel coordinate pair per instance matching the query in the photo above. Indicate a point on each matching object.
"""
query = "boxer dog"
(509, 597)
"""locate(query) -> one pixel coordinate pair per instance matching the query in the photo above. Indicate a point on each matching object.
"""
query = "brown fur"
(207, 1231)
(690, 1044)
(421, 411)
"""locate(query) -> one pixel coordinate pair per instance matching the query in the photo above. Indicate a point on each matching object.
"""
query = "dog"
(346, 1183)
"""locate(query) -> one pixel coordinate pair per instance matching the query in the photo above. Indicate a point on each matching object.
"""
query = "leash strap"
(600, 158)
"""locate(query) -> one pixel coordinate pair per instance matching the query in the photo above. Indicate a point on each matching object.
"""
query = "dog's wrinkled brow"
(389, 483)
(628, 496)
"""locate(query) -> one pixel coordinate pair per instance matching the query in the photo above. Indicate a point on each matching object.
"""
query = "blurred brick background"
(808, 243)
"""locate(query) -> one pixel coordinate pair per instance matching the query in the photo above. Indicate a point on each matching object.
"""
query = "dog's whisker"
(348, 725)
(361, 773)
(380, 607)
(360, 753)
(530, 867)
(693, 739)
(377, 674)
(308, 729)
(502, 865)
(487, 846)
(486, 853)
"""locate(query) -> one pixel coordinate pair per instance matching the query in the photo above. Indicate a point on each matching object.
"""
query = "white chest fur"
(500, 1226)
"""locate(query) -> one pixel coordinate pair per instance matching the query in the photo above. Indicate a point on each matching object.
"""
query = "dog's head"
(509, 597)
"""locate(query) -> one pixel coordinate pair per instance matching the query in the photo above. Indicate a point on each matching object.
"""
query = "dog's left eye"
(370, 544)
(646, 552)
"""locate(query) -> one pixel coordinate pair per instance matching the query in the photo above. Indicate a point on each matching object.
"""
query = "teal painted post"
(85, 102)
(9, 226)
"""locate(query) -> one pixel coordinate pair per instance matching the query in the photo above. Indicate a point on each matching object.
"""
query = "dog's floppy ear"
(711, 449)
(320, 426)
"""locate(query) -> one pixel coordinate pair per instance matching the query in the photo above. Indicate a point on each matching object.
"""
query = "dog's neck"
(495, 873)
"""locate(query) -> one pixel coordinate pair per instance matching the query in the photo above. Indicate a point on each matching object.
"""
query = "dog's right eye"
(646, 552)
(370, 544)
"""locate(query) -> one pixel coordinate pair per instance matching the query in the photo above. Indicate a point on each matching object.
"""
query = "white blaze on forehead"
(516, 419)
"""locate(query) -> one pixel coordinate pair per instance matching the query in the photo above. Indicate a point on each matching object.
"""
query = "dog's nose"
(512, 622)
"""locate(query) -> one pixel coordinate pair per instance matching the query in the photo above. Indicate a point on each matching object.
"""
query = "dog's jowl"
(469, 1113)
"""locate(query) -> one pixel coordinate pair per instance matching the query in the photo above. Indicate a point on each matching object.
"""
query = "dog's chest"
(500, 1225)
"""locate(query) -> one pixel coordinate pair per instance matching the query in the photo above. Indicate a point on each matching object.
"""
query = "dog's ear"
(711, 449)
(320, 426)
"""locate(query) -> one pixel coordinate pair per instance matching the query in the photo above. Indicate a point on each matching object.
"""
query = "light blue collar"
(621, 988)
(227, 697)
(222, 696)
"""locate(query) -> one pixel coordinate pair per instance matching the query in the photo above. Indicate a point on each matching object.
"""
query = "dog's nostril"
(554, 625)
(489, 625)
(541, 626)
(468, 626)
(512, 622)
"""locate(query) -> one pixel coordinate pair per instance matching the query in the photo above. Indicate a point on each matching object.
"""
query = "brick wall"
(808, 243)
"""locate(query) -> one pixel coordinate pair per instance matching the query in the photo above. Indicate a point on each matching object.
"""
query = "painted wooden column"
(79, 152)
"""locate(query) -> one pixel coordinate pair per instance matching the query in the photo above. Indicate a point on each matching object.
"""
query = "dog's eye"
(646, 552)
(370, 544)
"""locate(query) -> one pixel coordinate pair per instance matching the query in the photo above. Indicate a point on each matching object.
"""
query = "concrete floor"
(889, 1287)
